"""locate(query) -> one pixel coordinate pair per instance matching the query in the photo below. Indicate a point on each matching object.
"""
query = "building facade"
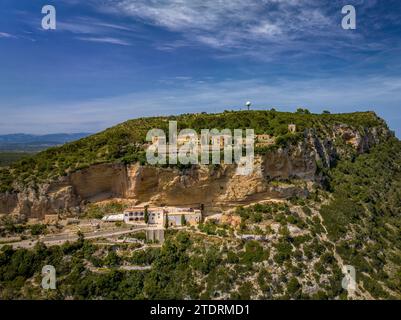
(137, 214)
(158, 216)
(176, 216)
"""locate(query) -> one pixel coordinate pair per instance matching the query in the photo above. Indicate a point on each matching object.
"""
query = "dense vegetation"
(7, 158)
(364, 217)
(186, 266)
(124, 142)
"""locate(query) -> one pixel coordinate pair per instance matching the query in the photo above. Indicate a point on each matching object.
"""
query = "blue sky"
(113, 60)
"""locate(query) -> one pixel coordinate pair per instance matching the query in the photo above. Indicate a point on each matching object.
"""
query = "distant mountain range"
(32, 143)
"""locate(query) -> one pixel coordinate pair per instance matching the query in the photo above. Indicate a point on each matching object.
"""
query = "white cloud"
(88, 25)
(218, 17)
(79, 27)
(6, 35)
(212, 22)
(105, 40)
(266, 29)
(262, 29)
(95, 30)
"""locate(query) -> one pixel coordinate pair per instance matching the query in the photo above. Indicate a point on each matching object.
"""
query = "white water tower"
(248, 105)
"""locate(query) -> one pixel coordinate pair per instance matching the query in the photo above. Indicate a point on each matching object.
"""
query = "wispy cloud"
(214, 23)
(95, 30)
(260, 29)
(88, 25)
(105, 40)
(6, 35)
(79, 27)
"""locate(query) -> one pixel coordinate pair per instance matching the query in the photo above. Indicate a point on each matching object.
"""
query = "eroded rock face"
(8, 202)
(51, 198)
(208, 185)
(203, 185)
(361, 142)
(99, 182)
(293, 162)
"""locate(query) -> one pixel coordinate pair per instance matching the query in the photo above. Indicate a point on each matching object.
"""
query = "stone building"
(175, 216)
(263, 140)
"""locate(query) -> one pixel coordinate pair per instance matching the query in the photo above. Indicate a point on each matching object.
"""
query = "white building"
(114, 218)
(157, 216)
(137, 214)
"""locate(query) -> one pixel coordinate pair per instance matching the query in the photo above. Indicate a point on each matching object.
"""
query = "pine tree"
(146, 217)
(166, 222)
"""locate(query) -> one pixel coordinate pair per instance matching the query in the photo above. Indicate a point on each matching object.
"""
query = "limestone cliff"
(280, 173)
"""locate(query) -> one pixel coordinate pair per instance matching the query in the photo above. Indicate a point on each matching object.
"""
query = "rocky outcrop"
(51, 198)
(99, 182)
(361, 141)
(8, 202)
(292, 162)
(273, 177)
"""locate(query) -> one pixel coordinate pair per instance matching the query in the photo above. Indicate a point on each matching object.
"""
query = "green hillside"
(122, 143)
(7, 158)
